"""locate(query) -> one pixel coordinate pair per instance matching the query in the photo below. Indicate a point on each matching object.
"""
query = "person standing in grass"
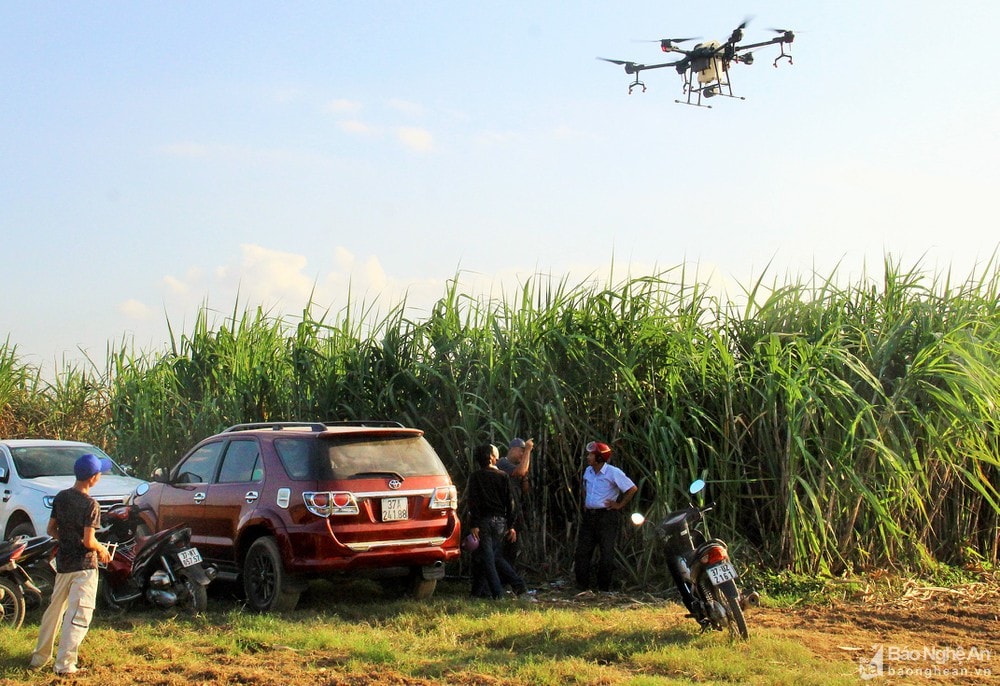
(515, 464)
(74, 521)
(606, 491)
(491, 511)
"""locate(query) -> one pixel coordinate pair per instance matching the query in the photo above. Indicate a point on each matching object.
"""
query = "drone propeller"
(787, 35)
(622, 62)
(630, 67)
(667, 44)
(737, 35)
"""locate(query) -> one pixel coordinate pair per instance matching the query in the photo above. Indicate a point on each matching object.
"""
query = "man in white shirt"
(606, 491)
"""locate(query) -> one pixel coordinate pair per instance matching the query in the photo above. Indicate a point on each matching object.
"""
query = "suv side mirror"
(3, 474)
(160, 475)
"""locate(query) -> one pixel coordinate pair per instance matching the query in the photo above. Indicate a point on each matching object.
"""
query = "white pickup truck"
(33, 471)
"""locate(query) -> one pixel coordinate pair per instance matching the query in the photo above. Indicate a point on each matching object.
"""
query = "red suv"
(279, 503)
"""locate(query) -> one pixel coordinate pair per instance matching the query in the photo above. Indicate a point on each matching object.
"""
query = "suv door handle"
(198, 497)
(252, 496)
(7, 495)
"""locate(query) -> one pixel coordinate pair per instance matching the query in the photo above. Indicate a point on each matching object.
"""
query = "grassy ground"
(350, 635)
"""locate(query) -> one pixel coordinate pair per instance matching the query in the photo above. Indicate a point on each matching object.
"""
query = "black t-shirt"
(489, 495)
(73, 511)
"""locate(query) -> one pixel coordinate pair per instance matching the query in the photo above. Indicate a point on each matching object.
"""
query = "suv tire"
(22, 529)
(412, 585)
(264, 579)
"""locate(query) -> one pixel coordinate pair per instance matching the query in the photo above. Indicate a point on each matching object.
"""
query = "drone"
(705, 68)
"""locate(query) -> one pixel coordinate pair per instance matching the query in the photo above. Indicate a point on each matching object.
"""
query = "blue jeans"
(490, 569)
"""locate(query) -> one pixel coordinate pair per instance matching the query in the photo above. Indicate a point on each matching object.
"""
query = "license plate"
(394, 509)
(189, 556)
(721, 572)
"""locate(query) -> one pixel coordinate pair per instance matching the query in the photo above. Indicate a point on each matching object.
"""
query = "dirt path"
(925, 635)
(919, 634)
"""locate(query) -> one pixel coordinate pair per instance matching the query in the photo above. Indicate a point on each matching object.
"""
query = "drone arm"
(660, 66)
(753, 46)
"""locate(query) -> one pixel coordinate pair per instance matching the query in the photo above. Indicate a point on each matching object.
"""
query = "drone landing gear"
(635, 83)
(709, 91)
(783, 56)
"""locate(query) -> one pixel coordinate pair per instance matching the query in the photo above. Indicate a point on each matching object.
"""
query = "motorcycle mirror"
(696, 487)
(142, 489)
(638, 519)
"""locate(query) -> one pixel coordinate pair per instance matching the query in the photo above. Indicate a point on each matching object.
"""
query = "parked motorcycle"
(164, 569)
(15, 583)
(38, 561)
(702, 570)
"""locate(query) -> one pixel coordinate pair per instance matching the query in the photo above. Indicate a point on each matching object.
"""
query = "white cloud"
(175, 285)
(133, 309)
(416, 139)
(406, 107)
(354, 126)
(342, 106)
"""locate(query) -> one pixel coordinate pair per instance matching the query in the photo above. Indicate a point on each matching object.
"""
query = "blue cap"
(518, 443)
(88, 465)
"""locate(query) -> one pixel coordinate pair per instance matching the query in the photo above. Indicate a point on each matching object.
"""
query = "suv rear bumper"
(319, 554)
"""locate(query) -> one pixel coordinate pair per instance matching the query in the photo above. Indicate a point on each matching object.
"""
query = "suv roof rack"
(276, 426)
(386, 423)
(314, 426)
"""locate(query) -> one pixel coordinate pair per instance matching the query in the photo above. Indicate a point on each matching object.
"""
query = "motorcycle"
(15, 583)
(702, 570)
(38, 561)
(164, 569)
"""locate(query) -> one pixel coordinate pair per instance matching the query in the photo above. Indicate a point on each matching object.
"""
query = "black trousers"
(599, 530)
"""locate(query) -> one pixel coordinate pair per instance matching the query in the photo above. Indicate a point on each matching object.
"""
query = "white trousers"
(73, 599)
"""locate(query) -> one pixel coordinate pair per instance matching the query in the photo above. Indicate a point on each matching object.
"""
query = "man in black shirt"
(491, 513)
(75, 519)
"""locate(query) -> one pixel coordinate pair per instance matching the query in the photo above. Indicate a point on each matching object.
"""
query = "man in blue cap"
(74, 521)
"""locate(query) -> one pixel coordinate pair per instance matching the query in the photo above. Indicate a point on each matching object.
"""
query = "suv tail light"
(444, 498)
(326, 503)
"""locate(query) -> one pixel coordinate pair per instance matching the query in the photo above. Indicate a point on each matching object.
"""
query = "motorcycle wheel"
(729, 596)
(44, 578)
(106, 596)
(11, 603)
(264, 578)
(196, 596)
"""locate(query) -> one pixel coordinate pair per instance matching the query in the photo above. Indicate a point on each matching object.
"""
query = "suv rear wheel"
(411, 585)
(264, 578)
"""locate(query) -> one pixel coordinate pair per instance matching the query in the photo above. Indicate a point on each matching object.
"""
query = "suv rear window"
(307, 459)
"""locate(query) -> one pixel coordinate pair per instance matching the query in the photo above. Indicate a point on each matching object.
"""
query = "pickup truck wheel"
(424, 588)
(22, 529)
(264, 579)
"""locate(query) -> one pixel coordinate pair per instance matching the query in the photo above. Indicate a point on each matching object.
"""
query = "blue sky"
(157, 157)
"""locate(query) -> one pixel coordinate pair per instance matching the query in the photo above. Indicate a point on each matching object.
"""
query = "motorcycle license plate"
(189, 556)
(721, 573)
(394, 509)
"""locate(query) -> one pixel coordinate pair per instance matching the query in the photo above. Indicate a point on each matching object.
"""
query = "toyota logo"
(394, 484)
